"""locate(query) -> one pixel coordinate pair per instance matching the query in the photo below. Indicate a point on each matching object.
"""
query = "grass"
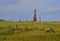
(6, 34)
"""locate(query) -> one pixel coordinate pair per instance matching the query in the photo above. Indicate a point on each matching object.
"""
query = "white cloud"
(51, 9)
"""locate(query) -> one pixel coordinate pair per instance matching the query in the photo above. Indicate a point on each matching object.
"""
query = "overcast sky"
(48, 10)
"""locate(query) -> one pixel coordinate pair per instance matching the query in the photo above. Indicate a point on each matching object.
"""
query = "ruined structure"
(34, 18)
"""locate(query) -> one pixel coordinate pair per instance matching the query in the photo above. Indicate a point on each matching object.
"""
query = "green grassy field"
(17, 31)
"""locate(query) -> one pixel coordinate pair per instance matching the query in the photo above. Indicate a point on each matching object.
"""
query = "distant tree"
(2, 20)
(54, 21)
